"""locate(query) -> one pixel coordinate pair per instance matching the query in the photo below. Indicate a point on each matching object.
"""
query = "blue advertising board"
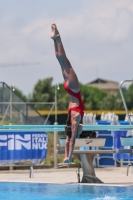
(22, 146)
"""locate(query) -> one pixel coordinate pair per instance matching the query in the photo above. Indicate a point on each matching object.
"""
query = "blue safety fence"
(117, 143)
(103, 122)
(104, 160)
(105, 134)
(22, 146)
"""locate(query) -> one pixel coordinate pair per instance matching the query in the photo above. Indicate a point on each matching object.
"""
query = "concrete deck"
(109, 175)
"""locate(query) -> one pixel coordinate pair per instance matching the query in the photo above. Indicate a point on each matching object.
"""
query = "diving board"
(60, 128)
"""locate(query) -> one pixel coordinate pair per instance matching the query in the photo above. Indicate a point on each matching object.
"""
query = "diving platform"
(86, 156)
(61, 128)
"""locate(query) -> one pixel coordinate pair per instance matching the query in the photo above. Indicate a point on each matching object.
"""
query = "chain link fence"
(15, 110)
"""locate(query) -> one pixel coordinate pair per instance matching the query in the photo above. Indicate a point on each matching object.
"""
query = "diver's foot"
(66, 161)
(66, 158)
(54, 32)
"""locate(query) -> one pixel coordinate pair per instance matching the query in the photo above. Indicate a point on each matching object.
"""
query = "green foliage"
(129, 97)
(62, 98)
(93, 98)
(20, 94)
(118, 105)
(6, 123)
(50, 154)
(76, 160)
(43, 92)
(108, 103)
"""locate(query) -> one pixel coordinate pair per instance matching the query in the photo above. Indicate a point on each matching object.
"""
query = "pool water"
(38, 191)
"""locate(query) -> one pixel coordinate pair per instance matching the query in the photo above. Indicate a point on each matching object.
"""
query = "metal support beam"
(31, 175)
(89, 151)
(55, 149)
(89, 175)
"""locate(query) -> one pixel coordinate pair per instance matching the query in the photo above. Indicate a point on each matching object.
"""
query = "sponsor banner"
(22, 146)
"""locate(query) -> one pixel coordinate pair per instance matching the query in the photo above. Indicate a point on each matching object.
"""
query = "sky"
(97, 36)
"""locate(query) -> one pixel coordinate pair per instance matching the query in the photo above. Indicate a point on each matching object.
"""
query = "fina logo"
(16, 142)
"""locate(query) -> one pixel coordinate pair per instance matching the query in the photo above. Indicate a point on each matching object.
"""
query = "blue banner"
(22, 146)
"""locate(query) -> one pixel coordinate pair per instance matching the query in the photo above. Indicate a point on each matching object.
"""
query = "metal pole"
(55, 149)
(26, 114)
(28, 102)
(3, 99)
(31, 175)
(11, 105)
(55, 103)
(123, 99)
(11, 167)
(55, 133)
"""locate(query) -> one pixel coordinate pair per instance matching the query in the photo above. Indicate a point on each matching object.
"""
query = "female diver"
(71, 85)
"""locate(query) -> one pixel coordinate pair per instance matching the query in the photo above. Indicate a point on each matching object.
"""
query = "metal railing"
(123, 99)
(14, 109)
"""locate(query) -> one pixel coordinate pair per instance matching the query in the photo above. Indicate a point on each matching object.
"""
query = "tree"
(129, 97)
(92, 97)
(108, 103)
(43, 92)
(118, 100)
(20, 94)
(62, 98)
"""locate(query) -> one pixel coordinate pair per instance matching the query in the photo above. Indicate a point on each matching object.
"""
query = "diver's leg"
(67, 148)
(59, 49)
(75, 120)
(67, 70)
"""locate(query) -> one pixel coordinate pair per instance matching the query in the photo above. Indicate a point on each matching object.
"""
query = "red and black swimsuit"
(80, 107)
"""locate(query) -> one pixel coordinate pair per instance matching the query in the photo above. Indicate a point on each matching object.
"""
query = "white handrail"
(123, 99)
